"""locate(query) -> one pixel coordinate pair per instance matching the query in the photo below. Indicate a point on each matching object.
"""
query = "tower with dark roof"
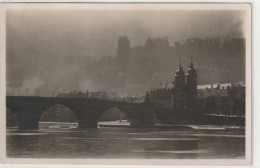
(179, 77)
(179, 90)
(191, 81)
(191, 89)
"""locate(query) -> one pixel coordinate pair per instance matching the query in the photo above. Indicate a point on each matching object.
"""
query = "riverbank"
(126, 124)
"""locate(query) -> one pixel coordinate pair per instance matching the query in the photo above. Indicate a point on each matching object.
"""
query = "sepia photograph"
(131, 83)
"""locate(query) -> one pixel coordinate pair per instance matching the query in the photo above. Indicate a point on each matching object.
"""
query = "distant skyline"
(44, 46)
(94, 33)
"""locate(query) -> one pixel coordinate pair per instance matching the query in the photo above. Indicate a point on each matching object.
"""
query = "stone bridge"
(28, 110)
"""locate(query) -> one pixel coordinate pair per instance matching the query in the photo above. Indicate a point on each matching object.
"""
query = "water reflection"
(56, 142)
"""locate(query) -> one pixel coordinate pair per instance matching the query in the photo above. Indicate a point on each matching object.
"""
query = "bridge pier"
(145, 117)
(28, 122)
(86, 123)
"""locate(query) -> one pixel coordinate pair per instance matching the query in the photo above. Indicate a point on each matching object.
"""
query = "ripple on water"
(172, 151)
(25, 134)
(136, 139)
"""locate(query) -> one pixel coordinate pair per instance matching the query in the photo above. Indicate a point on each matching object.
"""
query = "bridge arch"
(113, 114)
(58, 113)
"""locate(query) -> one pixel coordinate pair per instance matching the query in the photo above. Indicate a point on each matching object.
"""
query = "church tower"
(179, 90)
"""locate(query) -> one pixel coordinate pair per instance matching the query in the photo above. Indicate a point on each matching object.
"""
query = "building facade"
(186, 97)
(182, 97)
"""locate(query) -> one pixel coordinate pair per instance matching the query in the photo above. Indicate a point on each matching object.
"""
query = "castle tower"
(179, 90)
(123, 50)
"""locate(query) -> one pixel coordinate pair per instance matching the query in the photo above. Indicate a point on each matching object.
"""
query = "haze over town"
(60, 51)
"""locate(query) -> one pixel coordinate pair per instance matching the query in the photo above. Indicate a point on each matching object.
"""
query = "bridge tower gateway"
(191, 82)
(191, 88)
(180, 90)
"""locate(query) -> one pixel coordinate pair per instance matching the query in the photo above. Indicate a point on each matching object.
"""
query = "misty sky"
(39, 41)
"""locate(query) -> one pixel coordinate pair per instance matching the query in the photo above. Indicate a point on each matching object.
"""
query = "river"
(64, 140)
